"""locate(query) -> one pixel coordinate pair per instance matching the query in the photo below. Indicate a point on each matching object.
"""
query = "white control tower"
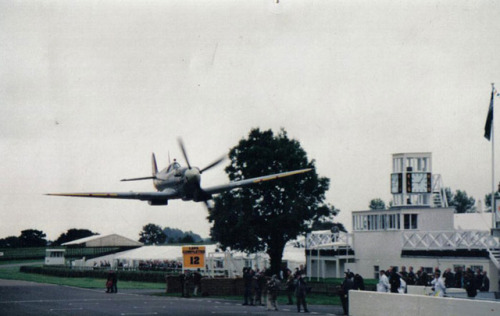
(412, 182)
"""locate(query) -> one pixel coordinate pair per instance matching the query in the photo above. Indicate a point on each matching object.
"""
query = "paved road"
(28, 298)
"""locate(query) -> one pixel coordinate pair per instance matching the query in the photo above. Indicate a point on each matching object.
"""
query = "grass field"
(12, 273)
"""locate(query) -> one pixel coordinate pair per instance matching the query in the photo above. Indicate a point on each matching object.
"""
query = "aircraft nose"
(192, 175)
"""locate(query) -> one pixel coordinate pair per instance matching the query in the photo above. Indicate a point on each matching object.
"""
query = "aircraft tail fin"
(155, 171)
(154, 166)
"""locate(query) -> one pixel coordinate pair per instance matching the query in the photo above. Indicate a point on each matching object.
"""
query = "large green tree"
(152, 234)
(266, 216)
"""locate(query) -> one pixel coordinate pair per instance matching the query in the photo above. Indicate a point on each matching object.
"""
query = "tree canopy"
(152, 234)
(73, 234)
(377, 204)
(32, 238)
(264, 217)
(460, 201)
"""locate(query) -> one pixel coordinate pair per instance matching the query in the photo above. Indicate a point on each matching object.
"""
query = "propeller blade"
(181, 144)
(213, 164)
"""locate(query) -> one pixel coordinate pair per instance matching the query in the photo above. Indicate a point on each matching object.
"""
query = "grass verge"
(12, 273)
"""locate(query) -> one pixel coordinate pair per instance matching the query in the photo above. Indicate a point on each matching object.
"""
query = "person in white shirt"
(383, 283)
(438, 285)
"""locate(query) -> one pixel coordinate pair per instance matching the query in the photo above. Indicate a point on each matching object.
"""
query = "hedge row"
(141, 276)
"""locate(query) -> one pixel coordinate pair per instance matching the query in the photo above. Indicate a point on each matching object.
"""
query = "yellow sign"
(194, 257)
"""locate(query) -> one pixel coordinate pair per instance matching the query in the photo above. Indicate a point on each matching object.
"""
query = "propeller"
(213, 164)
(210, 166)
(181, 144)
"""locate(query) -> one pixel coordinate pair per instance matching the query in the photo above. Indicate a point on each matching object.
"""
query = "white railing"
(449, 240)
(325, 239)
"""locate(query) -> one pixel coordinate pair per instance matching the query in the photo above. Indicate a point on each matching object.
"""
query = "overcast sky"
(89, 89)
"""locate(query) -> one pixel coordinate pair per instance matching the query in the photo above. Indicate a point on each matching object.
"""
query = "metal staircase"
(495, 256)
(438, 194)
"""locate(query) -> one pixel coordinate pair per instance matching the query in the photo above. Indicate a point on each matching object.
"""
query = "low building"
(54, 257)
(420, 230)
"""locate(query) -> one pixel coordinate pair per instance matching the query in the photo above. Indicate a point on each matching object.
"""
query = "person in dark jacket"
(248, 275)
(395, 281)
(301, 292)
(114, 279)
(359, 283)
(290, 286)
(469, 285)
(347, 285)
(485, 286)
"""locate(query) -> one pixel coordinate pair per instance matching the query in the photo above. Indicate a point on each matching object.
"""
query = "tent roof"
(111, 240)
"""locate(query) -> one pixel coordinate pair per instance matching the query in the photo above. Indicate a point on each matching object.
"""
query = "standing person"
(290, 286)
(478, 280)
(422, 277)
(114, 279)
(449, 278)
(383, 282)
(347, 285)
(259, 283)
(459, 282)
(273, 287)
(197, 282)
(359, 283)
(395, 281)
(438, 284)
(469, 283)
(402, 286)
(109, 282)
(181, 281)
(404, 274)
(485, 286)
(412, 278)
(188, 281)
(301, 292)
(247, 279)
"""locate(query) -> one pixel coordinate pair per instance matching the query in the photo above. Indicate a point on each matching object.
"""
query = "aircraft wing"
(241, 183)
(143, 196)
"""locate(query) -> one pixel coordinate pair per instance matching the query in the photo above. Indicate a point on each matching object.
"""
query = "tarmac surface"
(28, 298)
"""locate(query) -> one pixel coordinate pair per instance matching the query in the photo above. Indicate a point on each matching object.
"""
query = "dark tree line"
(153, 234)
(37, 238)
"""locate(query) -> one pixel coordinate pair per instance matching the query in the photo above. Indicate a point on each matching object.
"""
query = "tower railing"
(327, 239)
(449, 240)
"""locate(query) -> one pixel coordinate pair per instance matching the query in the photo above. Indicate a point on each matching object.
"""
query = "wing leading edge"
(161, 198)
(143, 196)
(241, 183)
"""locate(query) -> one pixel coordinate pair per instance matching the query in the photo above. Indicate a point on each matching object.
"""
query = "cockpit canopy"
(173, 166)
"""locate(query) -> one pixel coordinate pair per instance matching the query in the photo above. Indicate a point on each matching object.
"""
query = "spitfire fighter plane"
(177, 182)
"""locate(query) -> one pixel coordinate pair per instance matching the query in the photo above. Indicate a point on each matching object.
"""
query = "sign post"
(193, 257)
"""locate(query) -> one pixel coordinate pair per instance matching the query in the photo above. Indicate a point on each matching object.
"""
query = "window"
(410, 221)
(377, 222)
(376, 272)
(393, 221)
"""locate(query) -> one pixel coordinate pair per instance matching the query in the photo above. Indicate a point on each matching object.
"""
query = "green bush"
(142, 276)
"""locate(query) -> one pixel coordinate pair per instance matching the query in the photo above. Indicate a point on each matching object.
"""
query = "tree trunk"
(275, 253)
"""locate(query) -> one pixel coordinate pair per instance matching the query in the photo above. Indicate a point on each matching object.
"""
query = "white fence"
(449, 240)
